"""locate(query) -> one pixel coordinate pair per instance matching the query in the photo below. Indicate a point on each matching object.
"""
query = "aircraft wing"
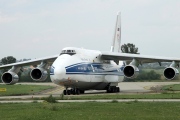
(142, 58)
(49, 60)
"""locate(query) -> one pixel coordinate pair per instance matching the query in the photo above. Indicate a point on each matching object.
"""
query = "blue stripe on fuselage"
(98, 69)
(52, 70)
(118, 74)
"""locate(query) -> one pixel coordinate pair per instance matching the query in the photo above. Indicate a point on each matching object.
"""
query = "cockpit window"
(70, 52)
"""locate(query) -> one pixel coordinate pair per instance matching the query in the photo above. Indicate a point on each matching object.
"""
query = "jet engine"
(131, 71)
(39, 74)
(10, 78)
(170, 73)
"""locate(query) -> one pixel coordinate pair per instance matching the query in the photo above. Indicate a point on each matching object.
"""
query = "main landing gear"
(74, 91)
(113, 89)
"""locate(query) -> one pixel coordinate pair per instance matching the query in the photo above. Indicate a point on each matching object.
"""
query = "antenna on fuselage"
(117, 35)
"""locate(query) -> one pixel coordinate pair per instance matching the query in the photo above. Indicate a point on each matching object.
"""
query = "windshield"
(70, 52)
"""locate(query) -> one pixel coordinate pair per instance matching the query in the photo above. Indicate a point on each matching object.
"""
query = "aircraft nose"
(58, 73)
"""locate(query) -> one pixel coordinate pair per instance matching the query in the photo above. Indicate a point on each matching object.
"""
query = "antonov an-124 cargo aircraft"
(79, 69)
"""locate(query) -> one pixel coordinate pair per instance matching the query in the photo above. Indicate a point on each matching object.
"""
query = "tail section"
(116, 44)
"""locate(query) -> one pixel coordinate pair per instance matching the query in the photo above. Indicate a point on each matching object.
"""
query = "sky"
(40, 28)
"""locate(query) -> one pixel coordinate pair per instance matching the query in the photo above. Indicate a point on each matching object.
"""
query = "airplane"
(79, 69)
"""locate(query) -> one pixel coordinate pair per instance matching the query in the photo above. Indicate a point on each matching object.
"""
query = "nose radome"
(60, 72)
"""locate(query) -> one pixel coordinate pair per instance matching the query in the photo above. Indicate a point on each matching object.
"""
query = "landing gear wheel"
(109, 90)
(68, 92)
(113, 89)
(73, 91)
(64, 92)
(118, 89)
(77, 91)
(82, 91)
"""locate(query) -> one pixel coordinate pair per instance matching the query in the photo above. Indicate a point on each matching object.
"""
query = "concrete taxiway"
(126, 88)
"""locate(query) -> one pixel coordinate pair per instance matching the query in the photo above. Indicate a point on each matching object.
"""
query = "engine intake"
(131, 71)
(39, 74)
(10, 78)
(170, 73)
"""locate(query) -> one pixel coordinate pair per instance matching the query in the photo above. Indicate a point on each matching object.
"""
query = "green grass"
(91, 111)
(22, 89)
(175, 87)
(164, 95)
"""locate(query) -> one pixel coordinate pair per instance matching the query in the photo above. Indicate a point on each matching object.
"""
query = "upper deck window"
(70, 52)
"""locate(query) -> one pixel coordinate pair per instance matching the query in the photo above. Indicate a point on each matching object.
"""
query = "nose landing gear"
(113, 89)
(74, 91)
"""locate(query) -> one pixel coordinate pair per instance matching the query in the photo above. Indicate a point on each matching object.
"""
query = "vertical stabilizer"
(116, 44)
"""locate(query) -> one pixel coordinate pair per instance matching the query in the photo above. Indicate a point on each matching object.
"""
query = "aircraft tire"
(73, 92)
(82, 91)
(68, 92)
(107, 90)
(77, 91)
(111, 90)
(64, 92)
(117, 89)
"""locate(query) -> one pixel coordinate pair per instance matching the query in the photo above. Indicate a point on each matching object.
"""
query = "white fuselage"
(84, 69)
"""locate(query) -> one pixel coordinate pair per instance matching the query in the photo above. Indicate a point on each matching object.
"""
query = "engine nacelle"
(170, 73)
(39, 74)
(131, 71)
(10, 78)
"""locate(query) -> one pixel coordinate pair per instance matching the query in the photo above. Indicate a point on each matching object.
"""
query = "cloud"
(7, 18)
(16, 3)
